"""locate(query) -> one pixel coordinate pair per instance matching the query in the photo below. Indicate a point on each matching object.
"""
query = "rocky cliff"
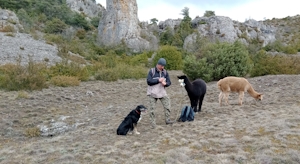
(88, 7)
(120, 25)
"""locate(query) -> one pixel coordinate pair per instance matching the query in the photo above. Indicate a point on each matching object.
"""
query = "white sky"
(239, 10)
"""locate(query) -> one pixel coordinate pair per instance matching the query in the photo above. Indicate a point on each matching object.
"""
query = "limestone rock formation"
(15, 45)
(172, 23)
(89, 7)
(258, 30)
(9, 18)
(226, 30)
(120, 25)
(23, 47)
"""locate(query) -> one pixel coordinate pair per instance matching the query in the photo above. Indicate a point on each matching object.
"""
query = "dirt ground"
(78, 125)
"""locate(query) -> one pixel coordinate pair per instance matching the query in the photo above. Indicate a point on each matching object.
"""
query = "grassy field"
(79, 125)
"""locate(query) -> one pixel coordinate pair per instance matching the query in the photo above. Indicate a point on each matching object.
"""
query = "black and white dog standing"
(130, 122)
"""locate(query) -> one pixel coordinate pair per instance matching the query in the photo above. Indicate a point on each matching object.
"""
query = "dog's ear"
(141, 107)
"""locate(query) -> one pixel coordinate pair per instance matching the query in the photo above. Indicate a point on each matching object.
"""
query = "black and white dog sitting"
(130, 122)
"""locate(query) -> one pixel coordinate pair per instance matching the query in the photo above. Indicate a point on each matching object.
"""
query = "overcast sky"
(239, 10)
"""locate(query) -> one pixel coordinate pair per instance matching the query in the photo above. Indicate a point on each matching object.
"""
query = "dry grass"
(23, 95)
(65, 81)
(257, 132)
(7, 28)
(32, 132)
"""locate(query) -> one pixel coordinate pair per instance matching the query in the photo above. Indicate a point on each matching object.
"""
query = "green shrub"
(197, 68)
(80, 21)
(25, 19)
(290, 49)
(69, 69)
(172, 56)
(55, 26)
(81, 33)
(107, 74)
(14, 77)
(274, 46)
(141, 59)
(125, 71)
(121, 71)
(65, 81)
(265, 64)
(110, 59)
(166, 37)
(95, 21)
(57, 39)
(218, 61)
(209, 13)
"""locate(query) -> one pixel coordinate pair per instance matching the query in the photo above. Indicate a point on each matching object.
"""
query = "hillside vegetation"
(72, 33)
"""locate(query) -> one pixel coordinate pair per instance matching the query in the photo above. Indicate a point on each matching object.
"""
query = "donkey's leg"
(200, 102)
(241, 97)
(194, 102)
(226, 97)
(221, 95)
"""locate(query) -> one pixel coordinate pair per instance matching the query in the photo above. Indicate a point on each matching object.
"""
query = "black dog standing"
(131, 120)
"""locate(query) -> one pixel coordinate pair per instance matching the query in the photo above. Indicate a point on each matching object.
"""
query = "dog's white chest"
(140, 118)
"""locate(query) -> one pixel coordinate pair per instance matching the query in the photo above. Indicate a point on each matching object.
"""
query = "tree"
(184, 29)
(153, 20)
(185, 12)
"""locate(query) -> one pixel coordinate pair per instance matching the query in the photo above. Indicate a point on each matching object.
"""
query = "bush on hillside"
(66, 68)
(172, 56)
(65, 81)
(112, 67)
(218, 61)
(194, 68)
(55, 26)
(15, 77)
(265, 64)
(140, 59)
(121, 71)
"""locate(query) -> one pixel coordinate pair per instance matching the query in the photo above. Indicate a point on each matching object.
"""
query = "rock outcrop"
(89, 7)
(172, 23)
(9, 18)
(226, 30)
(16, 46)
(120, 25)
(23, 47)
